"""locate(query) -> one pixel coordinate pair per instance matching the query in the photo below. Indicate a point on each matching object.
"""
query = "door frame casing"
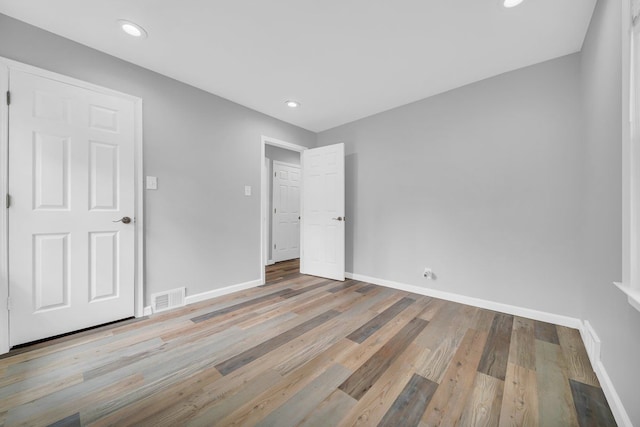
(5, 66)
(273, 182)
(264, 141)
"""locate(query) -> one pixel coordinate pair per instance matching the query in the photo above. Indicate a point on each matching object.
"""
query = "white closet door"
(71, 175)
(286, 211)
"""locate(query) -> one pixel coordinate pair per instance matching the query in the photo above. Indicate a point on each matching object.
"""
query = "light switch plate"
(152, 183)
(247, 190)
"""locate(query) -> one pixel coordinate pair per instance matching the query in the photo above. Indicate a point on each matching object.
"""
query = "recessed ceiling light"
(292, 104)
(512, 3)
(132, 28)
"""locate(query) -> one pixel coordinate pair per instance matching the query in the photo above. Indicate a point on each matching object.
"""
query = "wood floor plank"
(520, 402)
(448, 402)
(483, 320)
(216, 400)
(68, 401)
(229, 397)
(254, 410)
(483, 407)
(408, 408)
(554, 391)
(342, 286)
(442, 337)
(284, 369)
(311, 301)
(295, 292)
(591, 405)
(366, 330)
(496, 352)
(452, 319)
(301, 404)
(374, 297)
(546, 332)
(26, 375)
(309, 345)
(390, 300)
(367, 288)
(330, 411)
(362, 379)
(256, 352)
(372, 407)
(223, 311)
(364, 351)
(522, 350)
(26, 395)
(70, 421)
(434, 305)
(132, 410)
(575, 356)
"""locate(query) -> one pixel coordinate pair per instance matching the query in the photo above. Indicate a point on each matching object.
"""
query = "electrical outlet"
(428, 273)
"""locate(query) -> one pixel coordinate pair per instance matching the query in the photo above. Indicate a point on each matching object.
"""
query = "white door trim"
(4, 229)
(264, 141)
(8, 64)
(265, 214)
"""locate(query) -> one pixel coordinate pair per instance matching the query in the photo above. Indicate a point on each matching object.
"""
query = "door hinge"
(9, 303)
(274, 246)
(275, 174)
(8, 201)
(8, 98)
(275, 210)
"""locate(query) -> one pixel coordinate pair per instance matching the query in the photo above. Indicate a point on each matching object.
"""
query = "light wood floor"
(307, 351)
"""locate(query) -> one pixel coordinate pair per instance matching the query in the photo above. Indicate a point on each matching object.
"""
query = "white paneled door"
(71, 177)
(286, 211)
(323, 214)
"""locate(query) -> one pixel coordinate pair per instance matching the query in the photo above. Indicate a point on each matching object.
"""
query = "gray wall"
(482, 184)
(281, 155)
(201, 231)
(615, 321)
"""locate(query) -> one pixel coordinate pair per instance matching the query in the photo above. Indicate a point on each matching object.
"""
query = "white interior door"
(71, 175)
(286, 211)
(323, 217)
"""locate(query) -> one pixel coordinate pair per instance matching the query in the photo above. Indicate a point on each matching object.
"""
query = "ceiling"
(341, 59)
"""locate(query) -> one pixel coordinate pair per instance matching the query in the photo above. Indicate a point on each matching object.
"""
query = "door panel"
(103, 270)
(323, 212)
(51, 271)
(71, 174)
(104, 168)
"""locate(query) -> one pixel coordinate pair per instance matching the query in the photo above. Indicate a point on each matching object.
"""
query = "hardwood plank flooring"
(307, 351)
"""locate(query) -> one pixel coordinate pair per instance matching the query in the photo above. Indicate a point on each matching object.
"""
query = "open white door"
(323, 216)
(71, 177)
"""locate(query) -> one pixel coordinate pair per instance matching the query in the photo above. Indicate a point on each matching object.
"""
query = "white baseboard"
(619, 413)
(191, 299)
(147, 311)
(270, 262)
(543, 316)
(592, 344)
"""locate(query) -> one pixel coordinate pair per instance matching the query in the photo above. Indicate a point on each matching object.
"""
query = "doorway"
(281, 195)
(322, 209)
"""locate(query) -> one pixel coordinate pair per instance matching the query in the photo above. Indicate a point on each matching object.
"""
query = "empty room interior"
(320, 213)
